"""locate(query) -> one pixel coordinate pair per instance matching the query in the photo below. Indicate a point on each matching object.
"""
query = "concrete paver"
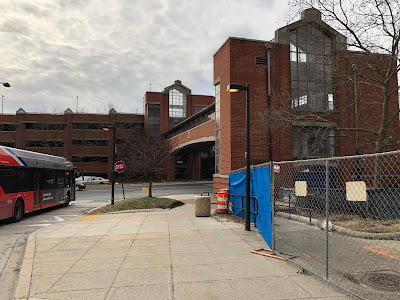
(158, 255)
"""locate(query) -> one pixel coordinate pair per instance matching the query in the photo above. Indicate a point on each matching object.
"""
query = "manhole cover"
(382, 281)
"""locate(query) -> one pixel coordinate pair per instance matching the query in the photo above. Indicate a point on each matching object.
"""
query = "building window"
(90, 159)
(45, 126)
(198, 108)
(311, 69)
(44, 144)
(312, 142)
(217, 130)
(8, 127)
(153, 118)
(177, 106)
(88, 126)
(89, 143)
(8, 143)
(129, 125)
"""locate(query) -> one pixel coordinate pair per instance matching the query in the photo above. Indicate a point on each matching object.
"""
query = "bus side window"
(49, 180)
(24, 179)
(8, 181)
(60, 179)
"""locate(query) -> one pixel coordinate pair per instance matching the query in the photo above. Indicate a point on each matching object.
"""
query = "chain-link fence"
(340, 219)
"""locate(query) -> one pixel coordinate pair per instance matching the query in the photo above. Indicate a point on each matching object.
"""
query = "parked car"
(80, 185)
(92, 179)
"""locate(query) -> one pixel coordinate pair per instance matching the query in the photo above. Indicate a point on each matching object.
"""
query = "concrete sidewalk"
(158, 255)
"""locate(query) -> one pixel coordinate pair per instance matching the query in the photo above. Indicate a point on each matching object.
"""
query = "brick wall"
(235, 62)
(204, 130)
(68, 134)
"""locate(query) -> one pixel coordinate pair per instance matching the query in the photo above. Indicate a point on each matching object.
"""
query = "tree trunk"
(382, 136)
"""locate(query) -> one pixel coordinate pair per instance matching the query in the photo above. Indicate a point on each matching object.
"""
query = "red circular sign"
(119, 166)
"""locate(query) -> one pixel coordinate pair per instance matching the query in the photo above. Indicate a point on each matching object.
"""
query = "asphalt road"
(102, 193)
(350, 258)
(13, 236)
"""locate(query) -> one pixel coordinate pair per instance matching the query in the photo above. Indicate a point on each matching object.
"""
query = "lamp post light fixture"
(5, 84)
(113, 128)
(234, 88)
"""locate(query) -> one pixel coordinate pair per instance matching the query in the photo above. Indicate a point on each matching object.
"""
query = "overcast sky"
(109, 51)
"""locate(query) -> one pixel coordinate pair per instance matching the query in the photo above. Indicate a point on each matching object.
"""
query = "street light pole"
(5, 84)
(234, 88)
(247, 211)
(113, 165)
(114, 129)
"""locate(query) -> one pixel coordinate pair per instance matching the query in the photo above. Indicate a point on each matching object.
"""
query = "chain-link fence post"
(272, 193)
(327, 217)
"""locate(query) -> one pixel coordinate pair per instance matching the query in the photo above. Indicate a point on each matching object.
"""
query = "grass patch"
(357, 223)
(138, 203)
(366, 225)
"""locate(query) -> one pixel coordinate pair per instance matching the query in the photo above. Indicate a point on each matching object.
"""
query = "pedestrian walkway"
(158, 255)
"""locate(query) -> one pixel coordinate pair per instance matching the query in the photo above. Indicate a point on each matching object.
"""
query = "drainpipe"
(268, 47)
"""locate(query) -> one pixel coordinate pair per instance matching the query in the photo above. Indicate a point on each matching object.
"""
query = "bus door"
(37, 201)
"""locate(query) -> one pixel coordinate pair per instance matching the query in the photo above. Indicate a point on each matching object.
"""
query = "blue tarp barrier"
(262, 190)
(259, 187)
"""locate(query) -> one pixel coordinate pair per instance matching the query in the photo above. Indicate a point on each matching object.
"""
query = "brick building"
(79, 137)
(186, 120)
(296, 111)
(166, 109)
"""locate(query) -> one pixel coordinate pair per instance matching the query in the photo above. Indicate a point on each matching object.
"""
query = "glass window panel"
(313, 71)
(293, 56)
(330, 102)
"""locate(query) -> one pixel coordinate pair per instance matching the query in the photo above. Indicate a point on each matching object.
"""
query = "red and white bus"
(31, 181)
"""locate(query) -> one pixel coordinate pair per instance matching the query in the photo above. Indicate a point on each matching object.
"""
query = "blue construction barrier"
(260, 187)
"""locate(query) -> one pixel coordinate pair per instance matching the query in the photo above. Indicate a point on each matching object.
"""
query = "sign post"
(120, 167)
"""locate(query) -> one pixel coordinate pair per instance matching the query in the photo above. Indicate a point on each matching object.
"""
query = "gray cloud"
(111, 50)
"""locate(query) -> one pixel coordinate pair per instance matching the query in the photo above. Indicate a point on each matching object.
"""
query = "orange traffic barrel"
(222, 201)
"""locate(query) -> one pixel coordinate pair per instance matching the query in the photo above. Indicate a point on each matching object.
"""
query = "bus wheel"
(18, 210)
(67, 200)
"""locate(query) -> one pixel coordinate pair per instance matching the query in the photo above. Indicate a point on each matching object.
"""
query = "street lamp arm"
(5, 84)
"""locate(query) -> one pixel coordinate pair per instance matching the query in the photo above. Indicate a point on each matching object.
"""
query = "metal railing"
(242, 207)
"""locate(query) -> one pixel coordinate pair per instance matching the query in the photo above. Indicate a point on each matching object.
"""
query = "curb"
(136, 210)
(342, 230)
(25, 274)
(146, 184)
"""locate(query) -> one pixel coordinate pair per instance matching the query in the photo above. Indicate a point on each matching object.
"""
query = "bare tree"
(370, 64)
(146, 157)
(105, 109)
